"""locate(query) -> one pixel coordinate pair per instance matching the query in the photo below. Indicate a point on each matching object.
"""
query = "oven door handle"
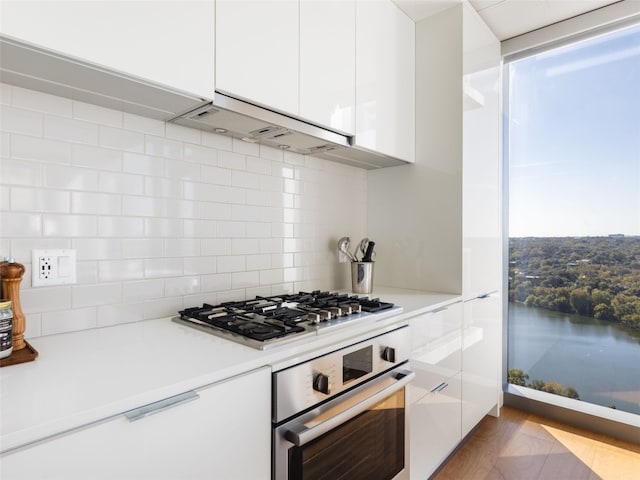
(302, 433)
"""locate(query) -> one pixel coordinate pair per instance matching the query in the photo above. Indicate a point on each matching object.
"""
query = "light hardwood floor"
(522, 446)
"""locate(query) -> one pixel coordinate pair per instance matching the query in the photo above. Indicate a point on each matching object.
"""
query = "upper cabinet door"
(385, 80)
(170, 43)
(327, 63)
(257, 52)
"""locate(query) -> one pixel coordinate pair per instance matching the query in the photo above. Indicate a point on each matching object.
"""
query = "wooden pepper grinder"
(11, 273)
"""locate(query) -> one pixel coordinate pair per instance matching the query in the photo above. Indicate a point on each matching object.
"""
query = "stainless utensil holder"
(362, 277)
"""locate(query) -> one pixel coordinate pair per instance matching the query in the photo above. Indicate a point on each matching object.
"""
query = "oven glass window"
(357, 364)
(368, 447)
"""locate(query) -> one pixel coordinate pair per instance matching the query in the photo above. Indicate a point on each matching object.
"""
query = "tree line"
(596, 277)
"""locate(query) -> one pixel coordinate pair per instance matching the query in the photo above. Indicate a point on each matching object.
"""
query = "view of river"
(599, 359)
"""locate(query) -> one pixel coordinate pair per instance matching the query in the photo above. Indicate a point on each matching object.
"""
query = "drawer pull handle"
(440, 387)
(160, 406)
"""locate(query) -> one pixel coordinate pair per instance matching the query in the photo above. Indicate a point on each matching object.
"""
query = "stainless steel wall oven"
(344, 415)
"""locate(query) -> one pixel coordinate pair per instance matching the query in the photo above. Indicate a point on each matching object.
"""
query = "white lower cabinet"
(435, 393)
(481, 358)
(206, 437)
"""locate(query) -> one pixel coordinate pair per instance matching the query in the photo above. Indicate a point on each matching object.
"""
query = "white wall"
(162, 216)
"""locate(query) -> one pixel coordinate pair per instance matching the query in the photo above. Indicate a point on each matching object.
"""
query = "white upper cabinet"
(481, 177)
(385, 80)
(327, 63)
(169, 43)
(257, 52)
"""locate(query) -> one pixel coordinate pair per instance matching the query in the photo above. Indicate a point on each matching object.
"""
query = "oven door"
(362, 434)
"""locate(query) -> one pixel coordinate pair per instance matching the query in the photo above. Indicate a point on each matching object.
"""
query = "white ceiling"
(509, 18)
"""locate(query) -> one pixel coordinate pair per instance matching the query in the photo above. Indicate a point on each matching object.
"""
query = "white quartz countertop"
(86, 376)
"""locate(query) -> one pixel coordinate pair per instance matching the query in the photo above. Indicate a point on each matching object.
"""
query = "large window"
(573, 148)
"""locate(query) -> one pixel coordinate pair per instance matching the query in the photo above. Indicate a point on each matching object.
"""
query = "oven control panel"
(304, 385)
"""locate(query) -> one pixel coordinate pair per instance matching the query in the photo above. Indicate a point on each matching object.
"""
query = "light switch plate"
(53, 267)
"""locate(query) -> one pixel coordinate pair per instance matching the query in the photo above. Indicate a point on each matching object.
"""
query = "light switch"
(64, 266)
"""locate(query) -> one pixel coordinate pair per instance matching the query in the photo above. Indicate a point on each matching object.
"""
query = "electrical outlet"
(53, 267)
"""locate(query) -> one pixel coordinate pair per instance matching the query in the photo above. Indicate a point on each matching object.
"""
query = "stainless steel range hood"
(31, 66)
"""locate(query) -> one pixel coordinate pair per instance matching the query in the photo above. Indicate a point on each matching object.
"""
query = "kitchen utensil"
(369, 252)
(362, 247)
(343, 246)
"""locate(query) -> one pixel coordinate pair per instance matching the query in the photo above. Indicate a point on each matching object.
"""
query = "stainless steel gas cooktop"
(269, 321)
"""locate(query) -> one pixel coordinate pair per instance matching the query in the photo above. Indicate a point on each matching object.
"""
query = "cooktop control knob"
(321, 383)
(389, 354)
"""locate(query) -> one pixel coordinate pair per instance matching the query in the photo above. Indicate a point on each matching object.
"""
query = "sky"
(574, 139)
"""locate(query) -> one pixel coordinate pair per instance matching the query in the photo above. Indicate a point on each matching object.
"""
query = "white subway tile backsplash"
(162, 216)
(162, 147)
(69, 226)
(33, 327)
(5, 94)
(39, 200)
(68, 320)
(41, 102)
(70, 178)
(96, 203)
(97, 158)
(70, 130)
(32, 148)
(121, 139)
(17, 120)
(245, 148)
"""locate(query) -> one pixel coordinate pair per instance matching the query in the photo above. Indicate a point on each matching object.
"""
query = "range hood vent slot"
(265, 131)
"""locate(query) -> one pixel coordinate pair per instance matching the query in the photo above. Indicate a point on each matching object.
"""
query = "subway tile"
(116, 314)
(282, 171)
(245, 148)
(245, 213)
(68, 320)
(258, 198)
(69, 226)
(96, 203)
(96, 157)
(5, 145)
(21, 246)
(163, 267)
(162, 187)
(142, 248)
(245, 246)
(45, 299)
(5, 198)
(33, 327)
(70, 178)
(183, 170)
(87, 272)
(283, 289)
(216, 175)
(97, 114)
(293, 274)
(70, 130)
(231, 263)
(182, 247)
(39, 200)
(180, 132)
(41, 102)
(18, 120)
(215, 246)
(5, 94)
(143, 290)
(93, 295)
(97, 248)
(199, 228)
(245, 179)
(200, 154)
(217, 193)
(20, 172)
(219, 142)
(163, 227)
(231, 295)
(164, 307)
(258, 262)
(143, 164)
(216, 283)
(121, 139)
(199, 298)
(144, 206)
(138, 123)
(271, 184)
(199, 265)
(291, 215)
(258, 230)
(292, 245)
(245, 279)
(304, 259)
(231, 160)
(120, 270)
(271, 245)
(272, 277)
(254, 292)
(120, 227)
(162, 147)
(271, 153)
(282, 230)
(293, 158)
(183, 209)
(271, 214)
(292, 186)
(187, 285)
(259, 165)
(32, 148)
(216, 211)
(112, 182)
(231, 229)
